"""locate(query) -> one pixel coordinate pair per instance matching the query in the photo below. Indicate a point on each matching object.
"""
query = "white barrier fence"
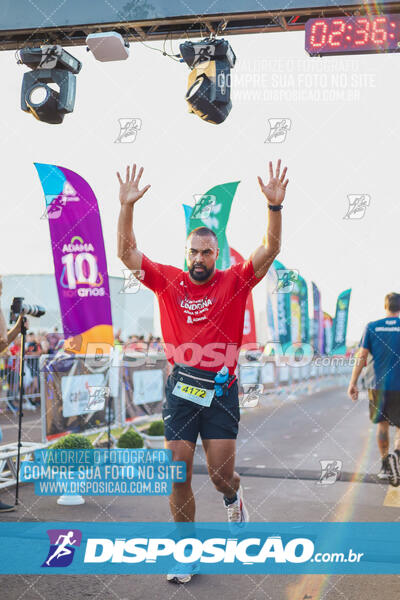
(9, 382)
(270, 374)
(279, 379)
(261, 381)
(8, 460)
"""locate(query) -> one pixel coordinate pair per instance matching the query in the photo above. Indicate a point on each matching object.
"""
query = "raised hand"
(275, 189)
(129, 191)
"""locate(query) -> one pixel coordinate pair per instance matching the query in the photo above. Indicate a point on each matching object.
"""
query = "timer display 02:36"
(357, 34)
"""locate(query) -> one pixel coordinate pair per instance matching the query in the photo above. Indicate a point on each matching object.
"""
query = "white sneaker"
(237, 511)
(178, 575)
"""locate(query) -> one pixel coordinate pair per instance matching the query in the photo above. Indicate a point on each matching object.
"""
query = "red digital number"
(379, 35)
(337, 32)
(341, 35)
(363, 32)
(318, 30)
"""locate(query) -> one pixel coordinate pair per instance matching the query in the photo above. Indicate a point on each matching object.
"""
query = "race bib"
(194, 394)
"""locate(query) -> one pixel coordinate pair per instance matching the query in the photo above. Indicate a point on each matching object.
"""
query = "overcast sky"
(345, 144)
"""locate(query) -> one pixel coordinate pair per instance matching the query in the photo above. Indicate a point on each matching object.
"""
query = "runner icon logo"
(128, 129)
(278, 129)
(132, 282)
(56, 203)
(62, 547)
(251, 394)
(286, 280)
(204, 204)
(330, 471)
(358, 204)
(97, 397)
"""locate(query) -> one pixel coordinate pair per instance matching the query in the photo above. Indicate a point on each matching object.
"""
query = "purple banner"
(79, 258)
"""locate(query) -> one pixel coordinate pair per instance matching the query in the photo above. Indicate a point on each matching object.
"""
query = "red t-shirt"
(202, 325)
(14, 350)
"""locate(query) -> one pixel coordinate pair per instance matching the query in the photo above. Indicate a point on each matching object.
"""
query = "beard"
(200, 275)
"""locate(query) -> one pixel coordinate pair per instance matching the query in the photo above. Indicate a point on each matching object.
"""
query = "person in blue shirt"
(380, 352)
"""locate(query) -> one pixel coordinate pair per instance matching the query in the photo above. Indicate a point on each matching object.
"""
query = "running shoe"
(183, 573)
(6, 507)
(384, 472)
(394, 472)
(237, 511)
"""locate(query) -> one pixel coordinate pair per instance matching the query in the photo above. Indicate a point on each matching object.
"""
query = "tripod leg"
(109, 421)
(21, 398)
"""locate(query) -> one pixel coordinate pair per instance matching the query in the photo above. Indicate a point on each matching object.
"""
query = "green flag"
(284, 309)
(303, 298)
(340, 323)
(212, 210)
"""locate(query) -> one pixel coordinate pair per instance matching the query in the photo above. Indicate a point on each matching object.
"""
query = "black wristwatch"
(273, 207)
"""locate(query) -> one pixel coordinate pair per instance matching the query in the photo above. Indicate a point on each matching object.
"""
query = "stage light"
(209, 85)
(42, 101)
(50, 65)
(107, 46)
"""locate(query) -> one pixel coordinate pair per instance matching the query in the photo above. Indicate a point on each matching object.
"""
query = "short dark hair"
(203, 232)
(392, 302)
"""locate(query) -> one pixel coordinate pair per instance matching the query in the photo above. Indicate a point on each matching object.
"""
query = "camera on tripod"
(19, 307)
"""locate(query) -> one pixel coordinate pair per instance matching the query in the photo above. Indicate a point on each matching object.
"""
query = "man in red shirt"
(202, 315)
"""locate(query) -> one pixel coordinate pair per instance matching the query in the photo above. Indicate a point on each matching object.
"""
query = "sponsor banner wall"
(143, 384)
(328, 324)
(318, 328)
(75, 395)
(284, 312)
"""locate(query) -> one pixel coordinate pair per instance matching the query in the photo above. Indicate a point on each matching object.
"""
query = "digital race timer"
(357, 34)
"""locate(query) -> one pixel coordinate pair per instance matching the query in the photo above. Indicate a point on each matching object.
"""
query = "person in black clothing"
(33, 351)
(6, 337)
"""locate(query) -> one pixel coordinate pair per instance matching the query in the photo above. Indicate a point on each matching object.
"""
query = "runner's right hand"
(129, 191)
(352, 392)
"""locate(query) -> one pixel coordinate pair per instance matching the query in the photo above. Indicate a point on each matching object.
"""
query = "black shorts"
(185, 420)
(384, 406)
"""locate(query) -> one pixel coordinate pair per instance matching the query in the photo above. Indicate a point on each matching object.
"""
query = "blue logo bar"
(148, 548)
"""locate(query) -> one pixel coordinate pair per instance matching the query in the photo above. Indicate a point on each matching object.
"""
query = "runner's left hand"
(275, 190)
(22, 319)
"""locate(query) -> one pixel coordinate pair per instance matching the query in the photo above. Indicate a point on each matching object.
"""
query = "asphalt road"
(280, 446)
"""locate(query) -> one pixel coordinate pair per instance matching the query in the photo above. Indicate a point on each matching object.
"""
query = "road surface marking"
(392, 497)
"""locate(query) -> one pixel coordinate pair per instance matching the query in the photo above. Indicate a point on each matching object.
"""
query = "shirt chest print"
(195, 306)
(194, 309)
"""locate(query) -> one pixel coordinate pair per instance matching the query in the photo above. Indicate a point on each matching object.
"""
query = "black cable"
(163, 52)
